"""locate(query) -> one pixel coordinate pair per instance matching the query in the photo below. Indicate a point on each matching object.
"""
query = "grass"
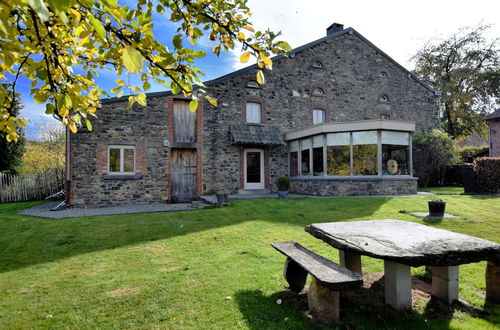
(207, 269)
(444, 190)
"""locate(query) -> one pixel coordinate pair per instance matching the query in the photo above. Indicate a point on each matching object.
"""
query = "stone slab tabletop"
(405, 242)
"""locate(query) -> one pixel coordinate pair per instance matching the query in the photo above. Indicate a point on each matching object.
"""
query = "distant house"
(337, 115)
(493, 121)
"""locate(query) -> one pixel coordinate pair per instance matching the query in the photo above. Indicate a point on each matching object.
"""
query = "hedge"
(487, 170)
(468, 153)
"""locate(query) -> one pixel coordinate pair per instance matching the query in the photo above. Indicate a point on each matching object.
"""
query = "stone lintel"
(397, 285)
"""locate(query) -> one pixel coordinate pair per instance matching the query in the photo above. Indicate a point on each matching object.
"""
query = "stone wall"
(494, 135)
(142, 127)
(352, 84)
(350, 78)
(353, 187)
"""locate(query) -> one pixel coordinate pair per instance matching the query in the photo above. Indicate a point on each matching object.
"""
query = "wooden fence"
(26, 187)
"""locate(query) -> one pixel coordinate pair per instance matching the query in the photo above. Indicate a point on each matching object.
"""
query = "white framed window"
(253, 113)
(318, 116)
(121, 159)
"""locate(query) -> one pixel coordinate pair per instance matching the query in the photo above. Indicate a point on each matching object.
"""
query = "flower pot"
(436, 209)
(282, 194)
(221, 198)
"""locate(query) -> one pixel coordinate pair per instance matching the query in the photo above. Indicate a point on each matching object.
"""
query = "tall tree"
(12, 152)
(465, 69)
(44, 40)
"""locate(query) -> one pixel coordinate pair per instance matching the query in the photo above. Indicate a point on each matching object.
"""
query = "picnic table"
(403, 245)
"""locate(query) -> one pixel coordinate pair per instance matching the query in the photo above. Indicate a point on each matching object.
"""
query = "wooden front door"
(253, 169)
(183, 175)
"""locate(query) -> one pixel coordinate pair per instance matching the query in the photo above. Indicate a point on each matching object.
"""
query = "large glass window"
(395, 153)
(364, 153)
(305, 145)
(121, 159)
(294, 158)
(253, 113)
(338, 153)
(318, 116)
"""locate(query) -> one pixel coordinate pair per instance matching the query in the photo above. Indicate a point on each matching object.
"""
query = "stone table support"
(323, 303)
(493, 282)
(397, 285)
(445, 283)
(351, 261)
(294, 275)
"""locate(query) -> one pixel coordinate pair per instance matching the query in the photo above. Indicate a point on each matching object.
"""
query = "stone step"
(253, 191)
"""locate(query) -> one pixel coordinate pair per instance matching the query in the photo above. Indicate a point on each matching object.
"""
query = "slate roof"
(278, 57)
(256, 134)
(494, 115)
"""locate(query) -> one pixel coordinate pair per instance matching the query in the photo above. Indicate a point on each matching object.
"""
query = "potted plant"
(436, 207)
(283, 184)
(221, 197)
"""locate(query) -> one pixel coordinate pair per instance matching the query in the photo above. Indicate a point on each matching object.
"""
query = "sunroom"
(368, 157)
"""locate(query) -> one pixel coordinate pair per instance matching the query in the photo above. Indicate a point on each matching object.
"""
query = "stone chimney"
(335, 27)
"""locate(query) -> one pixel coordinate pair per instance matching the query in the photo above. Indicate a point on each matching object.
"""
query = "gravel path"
(44, 210)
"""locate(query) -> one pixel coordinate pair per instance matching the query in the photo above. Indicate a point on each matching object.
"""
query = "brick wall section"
(494, 136)
(101, 159)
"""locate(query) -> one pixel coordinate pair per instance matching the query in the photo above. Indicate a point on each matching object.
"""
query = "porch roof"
(256, 134)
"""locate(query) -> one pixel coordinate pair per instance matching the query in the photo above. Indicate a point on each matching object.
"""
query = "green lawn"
(211, 268)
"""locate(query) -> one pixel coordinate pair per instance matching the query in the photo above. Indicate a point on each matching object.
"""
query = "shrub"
(467, 153)
(487, 170)
(283, 183)
(431, 152)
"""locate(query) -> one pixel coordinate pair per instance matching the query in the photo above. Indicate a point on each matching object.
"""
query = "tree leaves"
(40, 9)
(193, 105)
(260, 77)
(245, 57)
(99, 28)
(132, 59)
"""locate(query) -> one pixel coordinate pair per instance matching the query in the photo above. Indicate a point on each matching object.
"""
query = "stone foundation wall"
(353, 187)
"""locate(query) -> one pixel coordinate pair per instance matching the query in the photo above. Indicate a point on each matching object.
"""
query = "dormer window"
(317, 65)
(252, 84)
(383, 74)
(383, 98)
(318, 92)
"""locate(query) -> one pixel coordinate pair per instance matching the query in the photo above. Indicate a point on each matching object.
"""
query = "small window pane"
(305, 144)
(318, 141)
(338, 139)
(364, 137)
(305, 162)
(294, 146)
(294, 163)
(318, 92)
(395, 160)
(365, 159)
(317, 65)
(128, 160)
(253, 112)
(318, 116)
(338, 160)
(398, 138)
(253, 84)
(114, 160)
(318, 161)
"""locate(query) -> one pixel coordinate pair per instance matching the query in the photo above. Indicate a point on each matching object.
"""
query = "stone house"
(493, 122)
(336, 115)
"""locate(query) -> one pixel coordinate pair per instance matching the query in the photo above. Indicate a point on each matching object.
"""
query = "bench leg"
(350, 261)
(294, 275)
(323, 303)
(397, 285)
(493, 282)
(445, 283)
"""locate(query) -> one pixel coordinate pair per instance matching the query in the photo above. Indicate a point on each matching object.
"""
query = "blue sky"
(399, 28)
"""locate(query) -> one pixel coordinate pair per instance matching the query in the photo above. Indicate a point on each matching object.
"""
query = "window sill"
(122, 177)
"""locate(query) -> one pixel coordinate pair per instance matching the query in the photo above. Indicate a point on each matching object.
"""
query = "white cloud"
(399, 28)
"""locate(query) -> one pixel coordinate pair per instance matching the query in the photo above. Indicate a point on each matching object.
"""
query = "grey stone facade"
(351, 79)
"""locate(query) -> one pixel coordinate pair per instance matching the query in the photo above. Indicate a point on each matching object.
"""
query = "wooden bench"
(328, 279)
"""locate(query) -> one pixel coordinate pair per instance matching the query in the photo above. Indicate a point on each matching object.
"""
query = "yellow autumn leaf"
(245, 57)
(241, 36)
(132, 59)
(193, 105)
(141, 99)
(211, 100)
(249, 28)
(268, 63)
(260, 77)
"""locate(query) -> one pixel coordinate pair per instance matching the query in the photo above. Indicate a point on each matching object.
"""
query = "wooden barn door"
(183, 175)
(184, 122)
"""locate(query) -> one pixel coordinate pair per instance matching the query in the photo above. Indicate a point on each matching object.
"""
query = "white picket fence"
(26, 187)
